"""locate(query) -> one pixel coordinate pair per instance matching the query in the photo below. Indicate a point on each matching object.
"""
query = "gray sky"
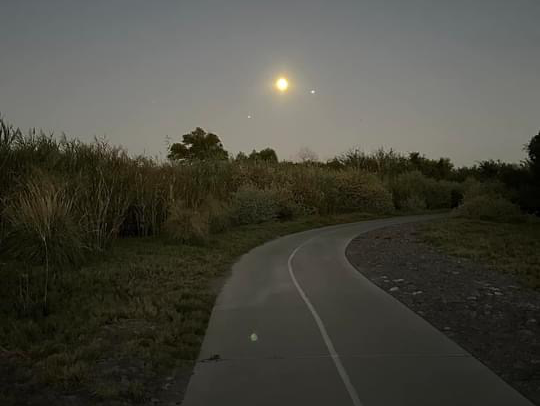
(456, 78)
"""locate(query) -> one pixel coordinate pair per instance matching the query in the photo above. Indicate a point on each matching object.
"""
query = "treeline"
(62, 201)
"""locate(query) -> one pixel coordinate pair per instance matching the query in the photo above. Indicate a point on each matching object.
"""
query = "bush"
(360, 191)
(250, 205)
(313, 189)
(491, 208)
(415, 203)
(494, 188)
(414, 187)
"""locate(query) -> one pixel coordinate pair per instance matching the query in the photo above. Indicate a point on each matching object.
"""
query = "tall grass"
(61, 199)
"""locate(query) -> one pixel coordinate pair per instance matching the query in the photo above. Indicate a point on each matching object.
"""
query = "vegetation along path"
(297, 324)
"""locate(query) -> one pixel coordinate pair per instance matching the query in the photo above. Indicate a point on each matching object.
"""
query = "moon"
(282, 84)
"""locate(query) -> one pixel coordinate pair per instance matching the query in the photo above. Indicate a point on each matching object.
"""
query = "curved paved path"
(296, 324)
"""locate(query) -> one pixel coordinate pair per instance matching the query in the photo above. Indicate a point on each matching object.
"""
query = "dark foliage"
(198, 145)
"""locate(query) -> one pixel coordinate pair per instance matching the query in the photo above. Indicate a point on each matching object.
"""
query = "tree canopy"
(198, 145)
(266, 154)
(533, 149)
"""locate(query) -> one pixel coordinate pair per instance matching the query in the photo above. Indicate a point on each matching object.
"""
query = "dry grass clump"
(43, 229)
(195, 224)
(42, 224)
(187, 224)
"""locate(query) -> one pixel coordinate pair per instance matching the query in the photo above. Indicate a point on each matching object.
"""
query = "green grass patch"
(117, 326)
(506, 247)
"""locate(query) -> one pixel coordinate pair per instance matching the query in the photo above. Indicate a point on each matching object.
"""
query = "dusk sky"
(457, 78)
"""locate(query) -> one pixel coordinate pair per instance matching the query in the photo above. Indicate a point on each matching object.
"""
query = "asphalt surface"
(296, 324)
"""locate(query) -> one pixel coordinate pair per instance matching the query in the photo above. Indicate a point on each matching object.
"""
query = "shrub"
(494, 188)
(313, 189)
(414, 203)
(492, 208)
(360, 191)
(416, 186)
(250, 205)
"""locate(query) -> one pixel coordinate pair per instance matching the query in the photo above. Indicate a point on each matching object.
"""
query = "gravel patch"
(490, 314)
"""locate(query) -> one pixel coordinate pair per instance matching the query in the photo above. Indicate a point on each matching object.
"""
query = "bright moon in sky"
(282, 84)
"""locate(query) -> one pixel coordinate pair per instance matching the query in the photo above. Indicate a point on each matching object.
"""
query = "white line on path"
(326, 338)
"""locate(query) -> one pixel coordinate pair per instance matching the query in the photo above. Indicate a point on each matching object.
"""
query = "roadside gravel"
(488, 313)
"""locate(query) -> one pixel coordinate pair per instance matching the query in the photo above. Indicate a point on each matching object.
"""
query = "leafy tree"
(241, 156)
(530, 194)
(307, 155)
(441, 168)
(267, 154)
(198, 145)
(533, 149)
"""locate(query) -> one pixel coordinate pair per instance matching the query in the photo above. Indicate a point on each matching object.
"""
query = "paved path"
(296, 324)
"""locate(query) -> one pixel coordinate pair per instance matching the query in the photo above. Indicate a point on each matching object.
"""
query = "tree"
(307, 155)
(533, 149)
(530, 194)
(267, 155)
(241, 156)
(198, 145)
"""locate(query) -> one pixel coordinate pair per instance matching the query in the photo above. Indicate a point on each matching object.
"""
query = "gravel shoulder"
(490, 314)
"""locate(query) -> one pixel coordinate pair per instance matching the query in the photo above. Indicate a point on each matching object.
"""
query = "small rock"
(531, 321)
(455, 273)
(155, 400)
(398, 280)
(447, 328)
(394, 289)
(497, 293)
(472, 298)
(418, 292)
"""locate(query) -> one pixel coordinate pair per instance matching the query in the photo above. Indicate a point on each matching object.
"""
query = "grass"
(119, 325)
(505, 247)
